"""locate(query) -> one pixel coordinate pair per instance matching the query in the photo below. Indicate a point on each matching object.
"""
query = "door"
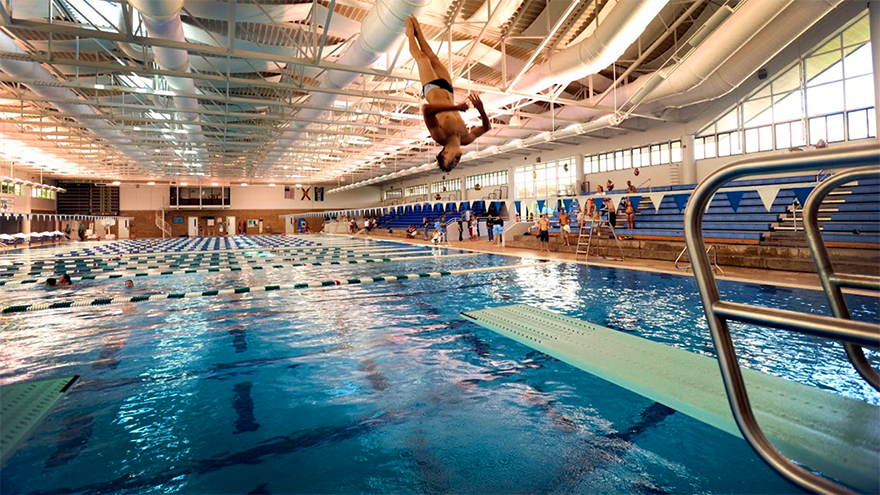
(123, 228)
(230, 226)
(192, 226)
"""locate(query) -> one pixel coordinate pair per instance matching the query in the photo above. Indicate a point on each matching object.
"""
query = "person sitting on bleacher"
(411, 232)
(609, 186)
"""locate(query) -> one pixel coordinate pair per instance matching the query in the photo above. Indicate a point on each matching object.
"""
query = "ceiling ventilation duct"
(162, 20)
(380, 29)
(626, 21)
(35, 72)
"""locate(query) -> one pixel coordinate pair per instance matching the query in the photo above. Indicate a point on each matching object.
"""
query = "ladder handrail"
(719, 312)
(710, 249)
(825, 268)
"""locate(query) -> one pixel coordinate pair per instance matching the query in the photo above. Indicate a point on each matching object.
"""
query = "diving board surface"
(23, 406)
(832, 434)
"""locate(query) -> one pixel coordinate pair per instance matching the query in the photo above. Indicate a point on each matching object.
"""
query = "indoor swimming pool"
(379, 387)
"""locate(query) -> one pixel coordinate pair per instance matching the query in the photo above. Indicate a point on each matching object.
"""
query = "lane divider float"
(106, 301)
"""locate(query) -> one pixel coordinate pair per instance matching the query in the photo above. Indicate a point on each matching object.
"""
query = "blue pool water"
(384, 388)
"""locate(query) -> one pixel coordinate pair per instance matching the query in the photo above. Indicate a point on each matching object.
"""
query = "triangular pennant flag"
(541, 205)
(656, 199)
(735, 197)
(802, 193)
(598, 202)
(768, 195)
(681, 200)
(516, 205)
(615, 200)
(566, 204)
(634, 201)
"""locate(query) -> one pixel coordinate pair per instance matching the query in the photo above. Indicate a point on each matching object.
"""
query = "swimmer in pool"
(64, 280)
(129, 284)
(441, 113)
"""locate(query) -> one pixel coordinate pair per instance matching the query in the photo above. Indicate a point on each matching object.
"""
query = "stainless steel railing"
(833, 282)
(719, 312)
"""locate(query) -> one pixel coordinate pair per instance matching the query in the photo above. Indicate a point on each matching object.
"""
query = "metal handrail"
(825, 268)
(719, 312)
(646, 181)
(715, 265)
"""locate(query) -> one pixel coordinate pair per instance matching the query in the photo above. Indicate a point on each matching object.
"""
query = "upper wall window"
(827, 94)
(643, 156)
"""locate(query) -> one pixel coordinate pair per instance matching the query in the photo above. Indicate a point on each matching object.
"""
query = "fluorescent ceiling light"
(151, 183)
(115, 183)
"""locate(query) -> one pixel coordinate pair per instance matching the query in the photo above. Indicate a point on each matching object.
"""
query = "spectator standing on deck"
(565, 224)
(498, 228)
(490, 224)
(544, 233)
(461, 222)
(630, 188)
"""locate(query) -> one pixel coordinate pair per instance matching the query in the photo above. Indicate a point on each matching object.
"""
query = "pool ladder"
(710, 250)
(854, 334)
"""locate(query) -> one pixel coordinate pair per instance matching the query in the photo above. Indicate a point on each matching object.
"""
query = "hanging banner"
(516, 206)
(566, 204)
(735, 197)
(497, 205)
(541, 205)
(598, 202)
(634, 201)
(615, 199)
(681, 200)
(656, 199)
(802, 193)
(768, 195)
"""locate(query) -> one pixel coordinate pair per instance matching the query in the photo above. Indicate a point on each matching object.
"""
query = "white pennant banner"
(656, 199)
(768, 195)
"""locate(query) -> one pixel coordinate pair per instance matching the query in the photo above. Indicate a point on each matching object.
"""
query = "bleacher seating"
(854, 214)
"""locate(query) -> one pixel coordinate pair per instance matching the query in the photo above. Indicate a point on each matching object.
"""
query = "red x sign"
(305, 195)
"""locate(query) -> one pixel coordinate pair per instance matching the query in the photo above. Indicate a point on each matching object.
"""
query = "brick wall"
(143, 224)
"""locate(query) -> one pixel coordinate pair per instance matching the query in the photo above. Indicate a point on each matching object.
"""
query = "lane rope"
(88, 267)
(106, 301)
(220, 269)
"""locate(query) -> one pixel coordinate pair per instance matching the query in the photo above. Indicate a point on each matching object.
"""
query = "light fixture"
(184, 184)
(115, 183)
(272, 184)
(214, 184)
(151, 183)
(244, 184)
(298, 185)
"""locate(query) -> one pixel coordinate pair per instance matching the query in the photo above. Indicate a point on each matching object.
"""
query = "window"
(419, 190)
(498, 178)
(828, 94)
(394, 194)
(654, 154)
(544, 180)
(446, 185)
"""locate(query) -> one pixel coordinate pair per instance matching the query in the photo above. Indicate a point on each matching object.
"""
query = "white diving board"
(23, 405)
(832, 434)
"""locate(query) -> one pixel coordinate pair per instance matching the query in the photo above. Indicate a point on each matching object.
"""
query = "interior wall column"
(874, 21)
(688, 165)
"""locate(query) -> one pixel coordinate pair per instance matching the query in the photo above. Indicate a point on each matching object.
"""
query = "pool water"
(384, 387)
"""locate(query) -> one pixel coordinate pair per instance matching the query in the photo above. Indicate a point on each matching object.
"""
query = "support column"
(874, 21)
(579, 173)
(688, 166)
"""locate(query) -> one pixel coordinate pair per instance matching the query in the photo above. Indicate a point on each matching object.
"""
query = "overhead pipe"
(34, 71)
(626, 21)
(162, 20)
(780, 32)
(380, 30)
